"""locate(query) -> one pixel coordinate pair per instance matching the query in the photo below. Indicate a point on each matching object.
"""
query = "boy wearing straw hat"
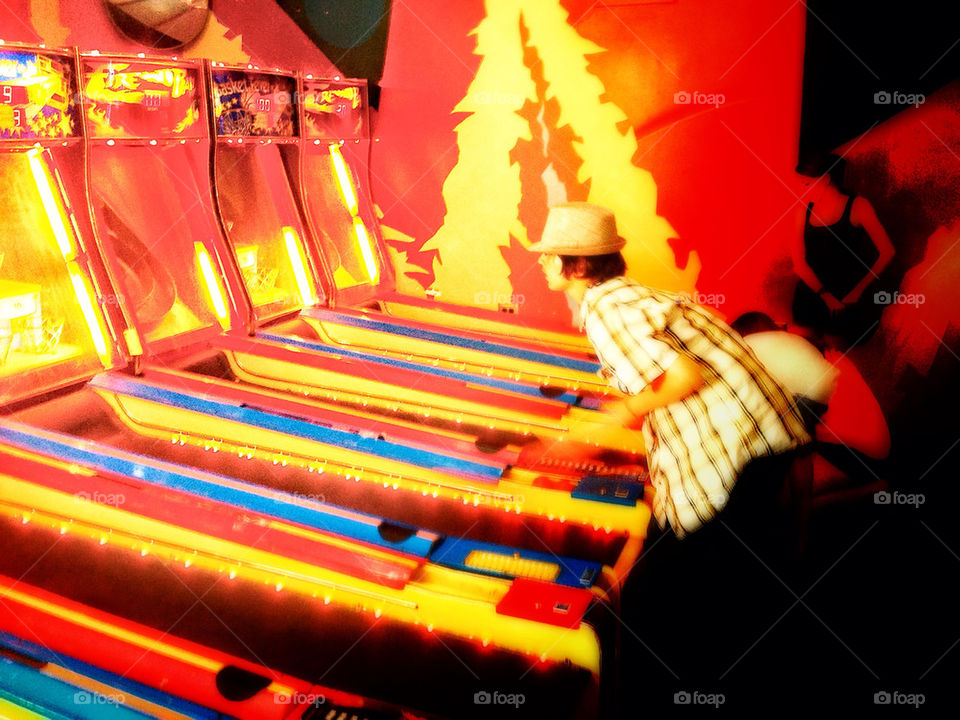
(704, 405)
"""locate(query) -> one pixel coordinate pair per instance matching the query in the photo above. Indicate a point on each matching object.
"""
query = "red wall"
(721, 173)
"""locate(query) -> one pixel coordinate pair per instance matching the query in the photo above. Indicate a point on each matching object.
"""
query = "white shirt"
(795, 363)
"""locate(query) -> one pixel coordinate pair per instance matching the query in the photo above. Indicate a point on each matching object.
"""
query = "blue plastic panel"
(453, 552)
(614, 489)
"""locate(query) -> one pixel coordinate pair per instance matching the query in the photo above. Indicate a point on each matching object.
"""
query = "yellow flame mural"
(483, 192)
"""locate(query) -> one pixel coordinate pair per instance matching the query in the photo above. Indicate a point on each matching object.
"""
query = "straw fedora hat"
(579, 228)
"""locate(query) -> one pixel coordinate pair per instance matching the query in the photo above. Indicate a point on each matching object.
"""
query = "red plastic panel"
(545, 602)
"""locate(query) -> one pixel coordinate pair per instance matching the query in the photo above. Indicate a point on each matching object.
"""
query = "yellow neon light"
(363, 240)
(210, 280)
(54, 215)
(340, 171)
(298, 261)
(91, 316)
(512, 565)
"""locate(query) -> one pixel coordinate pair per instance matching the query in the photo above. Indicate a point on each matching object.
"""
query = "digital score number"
(263, 104)
(152, 99)
(16, 96)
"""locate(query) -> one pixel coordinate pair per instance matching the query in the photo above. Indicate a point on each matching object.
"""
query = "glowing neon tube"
(54, 214)
(90, 315)
(347, 191)
(210, 280)
(363, 240)
(297, 261)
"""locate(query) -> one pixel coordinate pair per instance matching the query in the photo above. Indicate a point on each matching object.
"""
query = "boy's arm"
(681, 379)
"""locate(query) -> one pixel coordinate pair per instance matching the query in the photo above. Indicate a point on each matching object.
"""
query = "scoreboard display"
(252, 104)
(334, 110)
(142, 100)
(37, 96)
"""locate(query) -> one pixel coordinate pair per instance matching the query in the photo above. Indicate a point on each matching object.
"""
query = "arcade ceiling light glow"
(67, 248)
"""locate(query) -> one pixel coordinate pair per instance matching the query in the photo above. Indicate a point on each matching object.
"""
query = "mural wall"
(681, 117)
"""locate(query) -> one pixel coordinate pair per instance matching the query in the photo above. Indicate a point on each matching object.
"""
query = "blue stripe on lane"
(447, 339)
(499, 384)
(489, 473)
(55, 699)
(275, 504)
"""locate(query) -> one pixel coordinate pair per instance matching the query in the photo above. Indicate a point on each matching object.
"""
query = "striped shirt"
(697, 446)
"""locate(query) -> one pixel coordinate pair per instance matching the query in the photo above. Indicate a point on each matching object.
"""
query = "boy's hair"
(752, 322)
(595, 268)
